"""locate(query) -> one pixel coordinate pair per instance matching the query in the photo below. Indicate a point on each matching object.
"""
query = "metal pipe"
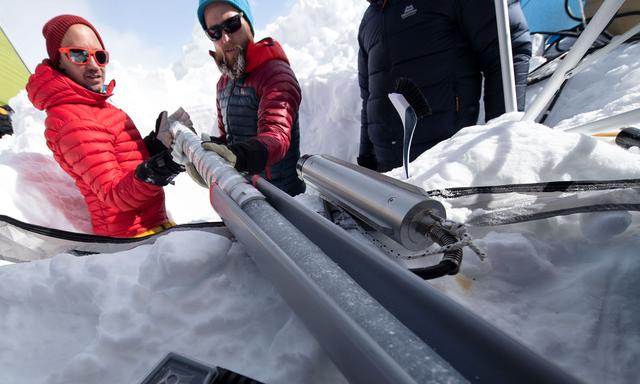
(363, 339)
(598, 23)
(506, 56)
(615, 42)
(478, 350)
(341, 337)
(397, 209)
(621, 120)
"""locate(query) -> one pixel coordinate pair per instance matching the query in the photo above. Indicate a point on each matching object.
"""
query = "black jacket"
(5, 121)
(445, 47)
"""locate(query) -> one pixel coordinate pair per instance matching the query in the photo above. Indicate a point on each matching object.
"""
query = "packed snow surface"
(567, 287)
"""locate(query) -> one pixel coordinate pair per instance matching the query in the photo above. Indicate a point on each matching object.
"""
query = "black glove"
(247, 156)
(6, 128)
(160, 169)
(161, 138)
(368, 161)
(153, 144)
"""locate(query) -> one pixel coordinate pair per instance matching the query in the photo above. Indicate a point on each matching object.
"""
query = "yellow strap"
(3, 112)
(606, 134)
(158, 229)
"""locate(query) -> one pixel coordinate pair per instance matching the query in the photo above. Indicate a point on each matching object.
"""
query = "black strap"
(226, 376)
(552, 186)
(88, 238)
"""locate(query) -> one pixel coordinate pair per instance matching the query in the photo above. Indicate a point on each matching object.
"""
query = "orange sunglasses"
(80, 56)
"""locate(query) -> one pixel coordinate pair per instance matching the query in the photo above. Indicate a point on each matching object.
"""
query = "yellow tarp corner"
(13, 72)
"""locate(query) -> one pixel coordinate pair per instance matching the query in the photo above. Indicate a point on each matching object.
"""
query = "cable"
(451, 260)
(567, 9)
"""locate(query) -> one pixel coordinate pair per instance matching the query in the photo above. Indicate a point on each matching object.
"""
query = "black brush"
(415, 97)
(628, 137)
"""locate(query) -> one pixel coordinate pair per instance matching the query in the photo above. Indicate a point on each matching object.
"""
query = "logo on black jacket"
(409, 11)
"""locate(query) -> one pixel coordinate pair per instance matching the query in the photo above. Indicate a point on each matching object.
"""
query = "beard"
(234, 70)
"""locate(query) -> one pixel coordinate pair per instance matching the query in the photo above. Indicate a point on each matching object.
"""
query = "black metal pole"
(479, 351)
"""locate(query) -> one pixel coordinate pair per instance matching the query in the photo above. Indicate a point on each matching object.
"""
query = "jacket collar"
(264, 50)
(261, 52)
(48, 87)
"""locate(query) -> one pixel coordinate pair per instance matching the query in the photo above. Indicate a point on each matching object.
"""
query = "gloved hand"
(176, 150)
(160, 169)
(368, 161)
(161, 139)
(180, 158)
(6, 128)
(247, 156)
(222, 150)
(181, 116)
(195, 175)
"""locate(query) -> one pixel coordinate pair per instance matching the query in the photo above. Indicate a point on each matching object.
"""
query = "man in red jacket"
(120, 175)
(258, 97)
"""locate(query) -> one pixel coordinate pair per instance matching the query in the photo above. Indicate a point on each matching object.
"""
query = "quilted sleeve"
(280, 98)
(88, 149)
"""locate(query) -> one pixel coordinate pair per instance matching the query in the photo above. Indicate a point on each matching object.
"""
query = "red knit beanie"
(55, 29)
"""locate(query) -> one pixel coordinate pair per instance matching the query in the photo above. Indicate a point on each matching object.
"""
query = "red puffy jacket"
(263, 105)
(99, 146)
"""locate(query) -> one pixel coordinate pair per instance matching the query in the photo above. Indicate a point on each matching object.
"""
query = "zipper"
(226, 112)
(456, 119)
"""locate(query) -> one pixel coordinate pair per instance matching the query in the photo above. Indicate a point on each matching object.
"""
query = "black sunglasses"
(230, 25)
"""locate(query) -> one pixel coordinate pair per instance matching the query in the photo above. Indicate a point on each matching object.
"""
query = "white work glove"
(221, 150)
(179, 157)
(176, 149)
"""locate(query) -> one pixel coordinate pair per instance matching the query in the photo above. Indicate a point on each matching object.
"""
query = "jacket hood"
(264, 50)
(48, 87)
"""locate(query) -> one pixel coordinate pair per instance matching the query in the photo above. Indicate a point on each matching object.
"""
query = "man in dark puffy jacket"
(258, 97)
(6, 128)
(446, 47)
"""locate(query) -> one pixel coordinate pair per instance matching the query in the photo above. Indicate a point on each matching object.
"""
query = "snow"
(508, 151)
(111, 318)
(566, 287)
(607, 87)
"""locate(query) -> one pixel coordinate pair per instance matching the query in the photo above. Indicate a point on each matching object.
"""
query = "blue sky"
(170, 25)
(145, 31)
(152, 33)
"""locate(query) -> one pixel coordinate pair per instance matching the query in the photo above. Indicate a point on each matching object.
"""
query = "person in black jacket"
(6, 128)
(446, 47)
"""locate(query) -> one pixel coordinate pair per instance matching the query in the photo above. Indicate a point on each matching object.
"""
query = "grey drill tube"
(369, 344)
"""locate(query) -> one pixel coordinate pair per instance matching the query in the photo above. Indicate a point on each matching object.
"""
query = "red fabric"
(98, 145)
(55, 29)
(279, 93)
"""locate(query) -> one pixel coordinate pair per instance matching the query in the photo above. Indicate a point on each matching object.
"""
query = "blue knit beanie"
(241, 5)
